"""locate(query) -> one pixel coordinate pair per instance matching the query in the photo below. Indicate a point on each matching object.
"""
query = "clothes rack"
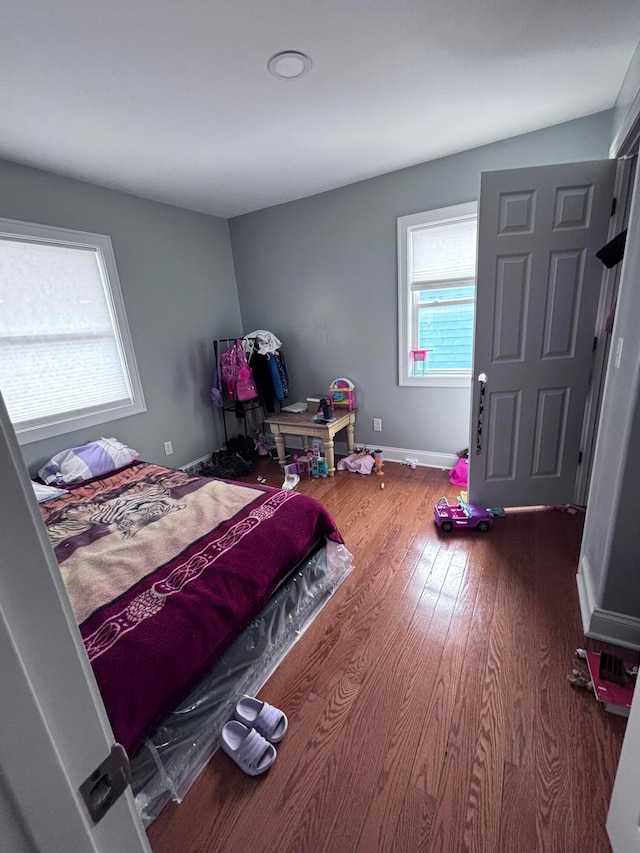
(239, 408)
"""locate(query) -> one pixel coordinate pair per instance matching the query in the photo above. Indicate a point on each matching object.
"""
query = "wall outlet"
(377, 424)
(168, 448)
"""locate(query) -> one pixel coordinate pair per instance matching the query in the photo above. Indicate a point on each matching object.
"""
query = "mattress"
(164, 570)
(173, 756)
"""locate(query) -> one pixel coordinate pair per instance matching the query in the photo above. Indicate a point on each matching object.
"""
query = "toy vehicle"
(448, 516)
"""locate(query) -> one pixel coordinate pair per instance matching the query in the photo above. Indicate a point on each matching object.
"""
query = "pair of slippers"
(248, 739)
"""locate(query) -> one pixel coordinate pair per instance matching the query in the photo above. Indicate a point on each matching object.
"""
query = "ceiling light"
(289, 65)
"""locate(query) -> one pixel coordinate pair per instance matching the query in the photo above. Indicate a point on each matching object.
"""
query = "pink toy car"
(448, 516)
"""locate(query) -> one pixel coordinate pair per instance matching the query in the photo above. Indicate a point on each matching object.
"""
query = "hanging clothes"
(275, 376)
(283, 376)
(264, 383)
(267, 362)
(262, 342)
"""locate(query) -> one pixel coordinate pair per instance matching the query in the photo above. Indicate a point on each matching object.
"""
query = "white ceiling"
(171, 99)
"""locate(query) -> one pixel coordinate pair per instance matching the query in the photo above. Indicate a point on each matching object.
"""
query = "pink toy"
(303, 465)
(419, 362)
(342, 393)
(361, 462)
(459, 474)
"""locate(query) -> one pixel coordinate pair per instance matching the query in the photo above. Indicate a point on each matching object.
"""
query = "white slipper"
(291, 481)
(264, 718)
(250, 751)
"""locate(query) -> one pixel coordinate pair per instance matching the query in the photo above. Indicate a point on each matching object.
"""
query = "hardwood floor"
(428, 703)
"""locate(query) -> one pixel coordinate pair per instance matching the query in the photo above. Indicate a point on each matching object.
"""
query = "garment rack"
(238, 407)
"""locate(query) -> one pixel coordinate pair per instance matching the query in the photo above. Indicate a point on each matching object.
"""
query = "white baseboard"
(600, 624)
(190, 465)
(422, 458)
(403, 455)
(586, 592)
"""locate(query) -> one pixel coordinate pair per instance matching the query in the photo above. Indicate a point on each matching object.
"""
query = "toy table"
(286, 423)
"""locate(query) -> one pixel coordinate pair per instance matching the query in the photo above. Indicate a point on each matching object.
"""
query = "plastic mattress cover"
(171, 759)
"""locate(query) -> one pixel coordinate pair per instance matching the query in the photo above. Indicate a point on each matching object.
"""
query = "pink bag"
(245, 386)
(229, 368)
(459, 473)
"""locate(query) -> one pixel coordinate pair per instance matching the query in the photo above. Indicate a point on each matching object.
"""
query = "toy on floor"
(611, 679)
(463, 515)
(360, 461)
(300, 465)
(459, 474)
(319, 467)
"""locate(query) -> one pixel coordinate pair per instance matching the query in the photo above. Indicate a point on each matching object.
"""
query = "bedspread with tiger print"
(163, 570)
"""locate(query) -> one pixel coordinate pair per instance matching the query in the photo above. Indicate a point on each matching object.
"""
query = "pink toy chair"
(304, 464)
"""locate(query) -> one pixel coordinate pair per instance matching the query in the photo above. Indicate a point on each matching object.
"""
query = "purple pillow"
(87, 461)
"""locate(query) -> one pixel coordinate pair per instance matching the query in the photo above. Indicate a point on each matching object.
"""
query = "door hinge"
(614, 205)
(595, 344)
(580, 458)
(107, 782)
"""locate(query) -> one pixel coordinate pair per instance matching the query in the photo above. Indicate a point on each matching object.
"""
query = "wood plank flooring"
(429, 705)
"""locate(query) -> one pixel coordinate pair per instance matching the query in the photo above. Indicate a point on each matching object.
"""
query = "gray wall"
(178, 285)
(321, 273)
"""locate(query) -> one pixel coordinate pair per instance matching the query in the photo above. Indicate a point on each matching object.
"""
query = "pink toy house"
(342, 394)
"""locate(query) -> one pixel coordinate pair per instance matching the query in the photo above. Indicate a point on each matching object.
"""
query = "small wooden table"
(287, 423)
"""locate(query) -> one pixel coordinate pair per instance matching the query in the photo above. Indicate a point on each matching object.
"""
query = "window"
(66, 358)
(436, 295)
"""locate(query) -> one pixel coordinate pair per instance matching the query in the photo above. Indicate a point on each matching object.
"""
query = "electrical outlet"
(168, 448)
(377, 424)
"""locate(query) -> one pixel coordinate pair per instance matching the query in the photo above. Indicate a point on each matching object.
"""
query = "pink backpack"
(229, 368)
(236, 374)
(245, 386)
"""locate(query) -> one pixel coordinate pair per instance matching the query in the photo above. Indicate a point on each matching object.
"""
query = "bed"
(186, 590)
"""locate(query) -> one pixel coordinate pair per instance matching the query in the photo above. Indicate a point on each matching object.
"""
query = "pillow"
(89, 460)
(45, 493)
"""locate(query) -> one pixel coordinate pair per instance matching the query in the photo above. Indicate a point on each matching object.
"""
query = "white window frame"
(101, 244)
(407, 317)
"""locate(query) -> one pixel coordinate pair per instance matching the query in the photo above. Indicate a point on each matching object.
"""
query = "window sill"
(54, 428)
(435, 381)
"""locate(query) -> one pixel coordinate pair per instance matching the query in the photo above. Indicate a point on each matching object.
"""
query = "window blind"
(444, 251)
(60, 347)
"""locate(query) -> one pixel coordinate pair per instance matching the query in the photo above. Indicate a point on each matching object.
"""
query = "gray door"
(623, 821)
(538, 287)
(55, 730)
